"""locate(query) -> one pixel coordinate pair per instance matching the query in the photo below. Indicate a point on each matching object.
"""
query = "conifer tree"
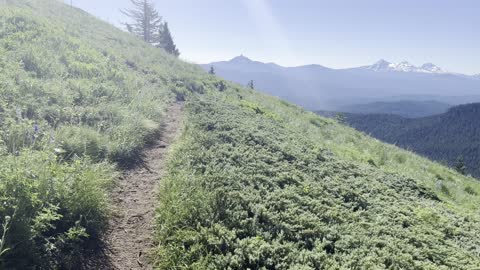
(460, 166)
(146, 22)
(211, 71)
(340, 117)
(166, 41)
(250, 84)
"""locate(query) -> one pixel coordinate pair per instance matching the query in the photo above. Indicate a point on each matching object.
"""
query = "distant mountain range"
(444, 137)
(316, 87)
(405, 66)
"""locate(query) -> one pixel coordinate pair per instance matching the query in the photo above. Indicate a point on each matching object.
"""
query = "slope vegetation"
(257, 183)
(253, 182)
(78, 99)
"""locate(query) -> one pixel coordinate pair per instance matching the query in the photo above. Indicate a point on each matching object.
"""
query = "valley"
(449, 138)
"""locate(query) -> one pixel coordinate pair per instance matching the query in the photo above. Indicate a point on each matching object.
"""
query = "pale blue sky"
(334, 33)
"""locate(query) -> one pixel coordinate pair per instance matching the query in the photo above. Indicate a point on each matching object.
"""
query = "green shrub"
(76, 96)
(180, 93)
(470, 190)
(47, 202)
(445, 190)
(20, 135)
(247, 191)
(80, 142)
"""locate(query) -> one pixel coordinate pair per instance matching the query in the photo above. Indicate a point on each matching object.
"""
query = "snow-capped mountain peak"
(380, 65)
(404, 66)
(432, 68)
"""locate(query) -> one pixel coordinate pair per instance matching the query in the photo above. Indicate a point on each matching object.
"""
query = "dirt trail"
(129, 237)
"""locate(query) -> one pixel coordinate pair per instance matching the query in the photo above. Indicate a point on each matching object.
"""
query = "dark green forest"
(446, 138)
(405, 108)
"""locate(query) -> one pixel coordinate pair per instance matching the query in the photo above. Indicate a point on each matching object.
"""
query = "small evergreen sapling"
(211, 71)
(251, 85)
(460, 166)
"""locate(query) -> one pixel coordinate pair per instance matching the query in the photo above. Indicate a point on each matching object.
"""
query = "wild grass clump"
(52, 207)
(81, 141)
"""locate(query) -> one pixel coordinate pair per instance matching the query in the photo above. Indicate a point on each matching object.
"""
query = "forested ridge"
(405, 108)
(450, 138)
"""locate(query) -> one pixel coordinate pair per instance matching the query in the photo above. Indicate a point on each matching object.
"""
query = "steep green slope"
(259, 184)
(77, 96)
(444, 137)
(253, 182)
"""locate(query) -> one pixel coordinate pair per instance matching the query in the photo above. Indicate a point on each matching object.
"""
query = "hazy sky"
(333, 33)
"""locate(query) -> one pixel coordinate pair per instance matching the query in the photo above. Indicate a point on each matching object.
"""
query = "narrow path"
(129, 237)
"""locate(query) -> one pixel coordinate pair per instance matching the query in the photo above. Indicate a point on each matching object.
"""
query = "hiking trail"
(129, 236)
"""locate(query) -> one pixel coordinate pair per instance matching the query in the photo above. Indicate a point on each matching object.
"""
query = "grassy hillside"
(78, 98)
(444, 137)
(253, 182)
(257, 183)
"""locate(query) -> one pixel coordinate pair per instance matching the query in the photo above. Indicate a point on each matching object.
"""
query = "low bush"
(52, 207)
(81, 141)
(248, 191)
(78, 99)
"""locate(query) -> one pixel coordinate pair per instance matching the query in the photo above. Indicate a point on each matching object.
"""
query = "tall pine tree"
(146, 22)
(166, 41)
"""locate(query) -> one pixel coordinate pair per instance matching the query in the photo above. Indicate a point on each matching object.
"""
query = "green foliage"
(166, 40)
(469, 190)
(47, 198)
(145, 20)
(405, 108)
(245, 190)
(251, 84)
(81, 141)
(460, 166)
(76, 96)
(253, 182)
(5, 227)
(147, 24)
(211, 71)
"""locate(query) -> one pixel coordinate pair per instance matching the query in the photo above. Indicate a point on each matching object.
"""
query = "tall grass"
(50, 206)
(79, 99)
